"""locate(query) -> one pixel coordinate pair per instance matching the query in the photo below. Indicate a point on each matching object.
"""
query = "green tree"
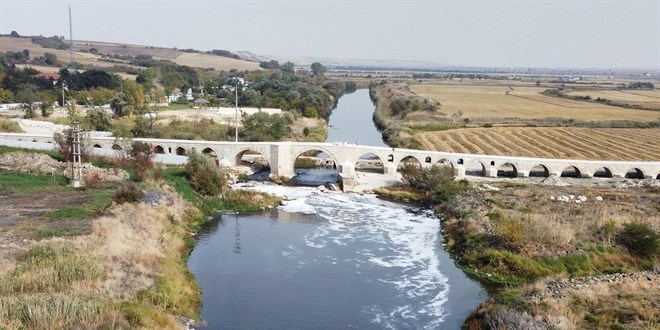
(98, 120)
(270, 65)
(50, 58)
(6, 95)
(134, 93)
(264, 127)
(318, 70)
(47, 101)
(288, 67)
(119, 105)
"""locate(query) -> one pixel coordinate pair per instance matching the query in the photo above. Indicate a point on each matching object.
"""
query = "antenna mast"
(73, 63)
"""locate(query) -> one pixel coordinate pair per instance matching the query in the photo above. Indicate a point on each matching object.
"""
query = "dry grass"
(550, 142)
(133, 254)
(536, 225)
(9, 126)
(522, 102)
(18, 44)
(200, 60)
(627, 304)
(646, 98)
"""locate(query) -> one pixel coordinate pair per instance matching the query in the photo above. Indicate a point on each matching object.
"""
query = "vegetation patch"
(49, 267)
(24, 183)
(9, 126)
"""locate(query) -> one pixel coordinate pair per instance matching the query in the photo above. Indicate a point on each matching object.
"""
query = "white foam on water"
(404, 242)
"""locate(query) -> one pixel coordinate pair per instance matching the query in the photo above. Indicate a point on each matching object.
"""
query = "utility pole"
(63, 85)
(76, 166)
(73, 63)
(236, 112)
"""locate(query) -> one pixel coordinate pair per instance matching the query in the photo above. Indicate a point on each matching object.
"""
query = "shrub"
(9, 126)
(92, 179)
(203, 176)
(438, 180)
(141, 158)
(128, 192)
(640, 238)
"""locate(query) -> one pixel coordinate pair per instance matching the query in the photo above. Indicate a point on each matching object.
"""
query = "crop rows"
(550, 142)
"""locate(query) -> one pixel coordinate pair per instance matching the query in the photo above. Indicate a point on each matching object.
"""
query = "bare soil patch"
(23, 220)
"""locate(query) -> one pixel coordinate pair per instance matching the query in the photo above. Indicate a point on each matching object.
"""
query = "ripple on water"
(403, 242)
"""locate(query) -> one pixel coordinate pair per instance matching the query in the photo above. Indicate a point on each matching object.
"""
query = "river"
(329, 260)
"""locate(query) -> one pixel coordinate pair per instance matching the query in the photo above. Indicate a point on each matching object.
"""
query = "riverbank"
(107, 255)
(523, 240)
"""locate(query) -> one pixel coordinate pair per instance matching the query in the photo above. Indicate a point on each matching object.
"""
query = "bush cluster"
(128, 192)
(203, 176)
(640, 238)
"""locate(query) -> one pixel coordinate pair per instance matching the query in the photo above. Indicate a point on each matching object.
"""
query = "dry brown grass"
(536, 225)
(200, 60)
(18, 44)
(626, 304)
(138, 250)
(550, 142)
(477, 101)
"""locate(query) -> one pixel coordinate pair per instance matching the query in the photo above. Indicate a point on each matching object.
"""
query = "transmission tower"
(76, 166)
(73, 63)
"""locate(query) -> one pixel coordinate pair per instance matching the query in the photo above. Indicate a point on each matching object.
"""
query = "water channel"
(331, 260)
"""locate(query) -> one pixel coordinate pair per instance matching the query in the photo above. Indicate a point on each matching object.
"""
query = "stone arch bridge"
(282, 155)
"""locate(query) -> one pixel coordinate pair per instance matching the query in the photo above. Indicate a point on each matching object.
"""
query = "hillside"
(83, 55)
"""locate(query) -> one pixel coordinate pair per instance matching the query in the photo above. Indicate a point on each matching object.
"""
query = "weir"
(281, 157)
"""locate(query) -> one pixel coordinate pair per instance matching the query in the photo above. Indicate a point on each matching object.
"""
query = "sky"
(512, 33)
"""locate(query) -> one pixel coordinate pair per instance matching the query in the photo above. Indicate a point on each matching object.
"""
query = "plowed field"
(550, 142)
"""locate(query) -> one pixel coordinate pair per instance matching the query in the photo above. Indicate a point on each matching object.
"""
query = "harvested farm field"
(645, 98)
(550, 142)
(523, 102)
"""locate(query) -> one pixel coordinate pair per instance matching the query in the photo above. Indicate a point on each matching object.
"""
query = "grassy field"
(477, 101)
(550, 142)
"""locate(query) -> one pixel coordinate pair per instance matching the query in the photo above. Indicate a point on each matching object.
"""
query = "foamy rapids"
(404, 240)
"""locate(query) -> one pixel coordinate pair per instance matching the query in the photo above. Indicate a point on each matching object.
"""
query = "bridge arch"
(330, 157)
(97, 146)
(409, 161)
(571, 171)
(408, 158)
(635, 173)
(370, 162)
(539, 170)
(507, 169)
(209, 152)
(603, 172)
(181, 151)
(475, 167)
(159, 149)
(445, 162)
(116, 147)
(250, 151)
